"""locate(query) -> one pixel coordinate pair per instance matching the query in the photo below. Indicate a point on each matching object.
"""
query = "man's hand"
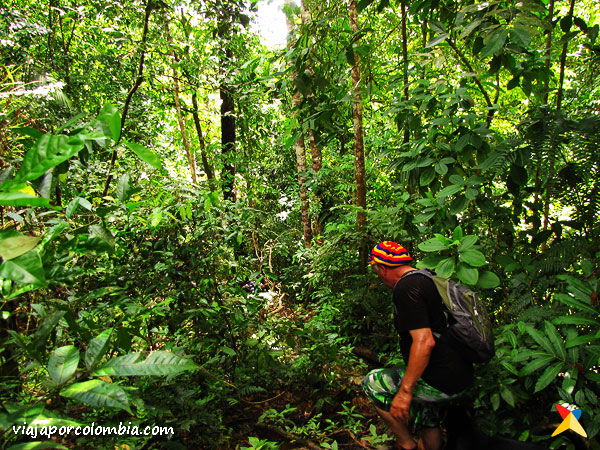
(400, 408)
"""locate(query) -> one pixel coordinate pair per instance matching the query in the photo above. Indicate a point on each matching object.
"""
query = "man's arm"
(420, 351)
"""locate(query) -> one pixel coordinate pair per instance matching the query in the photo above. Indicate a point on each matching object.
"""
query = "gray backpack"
(468, 321)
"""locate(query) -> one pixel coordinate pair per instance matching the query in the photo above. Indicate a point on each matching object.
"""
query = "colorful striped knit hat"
(390, 254)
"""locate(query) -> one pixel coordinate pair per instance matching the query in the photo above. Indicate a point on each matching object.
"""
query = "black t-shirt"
(417, 304)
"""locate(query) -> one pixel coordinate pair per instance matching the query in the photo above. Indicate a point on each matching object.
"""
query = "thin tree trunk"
(549, 49)
(184, 137)
(317, 162)
(359, 151)
(563, 59)
(405, 67)
(208, 168)
(300, 156)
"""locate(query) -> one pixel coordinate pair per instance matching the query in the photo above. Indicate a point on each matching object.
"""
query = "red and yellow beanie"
(390, 254)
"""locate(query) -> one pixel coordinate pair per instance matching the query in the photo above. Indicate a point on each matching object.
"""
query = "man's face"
(382, 273)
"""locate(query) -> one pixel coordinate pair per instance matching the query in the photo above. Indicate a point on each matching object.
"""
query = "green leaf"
(63, 363)
(507, 396)
(574, 303)
(16, 244)
(432, 245)
(110, 119)
(157, 363)
(536, 364)
(75, 203)
(98, 393)
(48, 152)
(576, 319)
(449, 190)
(457, 179)
(145, 155)
(472, 257)
(467, 274)
(488, 280)
(541, 340)
(123, 188)
(437, 40)
(548, 376)
(520, 36)
(363, 4)
(23, 199)
(101, 239)
(427, 176)
(97, 348)
(494, 43)
(445, 268)
(467, 242)
(457, 234)
(556, 340)
(26, 269)
(441, 168)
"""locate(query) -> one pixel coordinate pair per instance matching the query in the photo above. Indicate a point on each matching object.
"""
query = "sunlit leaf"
(98, 393)
(16, 244)
(26, 269)
(144, 154)
(63, 363)
(157, 363)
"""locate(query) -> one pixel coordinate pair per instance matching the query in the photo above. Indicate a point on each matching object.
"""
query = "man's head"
(389, 261)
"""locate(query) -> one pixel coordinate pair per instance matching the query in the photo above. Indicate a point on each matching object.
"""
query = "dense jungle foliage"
(185, 213)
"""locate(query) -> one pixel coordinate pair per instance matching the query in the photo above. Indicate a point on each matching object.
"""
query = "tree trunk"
(406, 138)
(184, 137)
(228, 136)
(300, 155)
(208, 168)
(359, 151)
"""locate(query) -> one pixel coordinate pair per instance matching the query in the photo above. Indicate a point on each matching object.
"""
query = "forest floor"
(305, 427)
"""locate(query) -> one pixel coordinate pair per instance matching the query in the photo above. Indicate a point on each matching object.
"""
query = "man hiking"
(435, 371)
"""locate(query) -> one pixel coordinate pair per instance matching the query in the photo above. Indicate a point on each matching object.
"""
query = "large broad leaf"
(494, 43)
(23, 199)
(574, 303)
(467, 242)
(548, 376)
(157, 363)
(445, 268)
(124, 188)
(110, 119)
(63, 363)
(97, 348)
(432, 245)
(537, 363)
(488, 280)
(26, 269)
(556, 340)
(145, 155)
(449, 190)
(13, 244)
(48, 152)
(437, 40)
(472, 257)
(467, 274)
(98, 393)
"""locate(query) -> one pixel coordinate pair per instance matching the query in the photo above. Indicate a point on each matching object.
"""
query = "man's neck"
(399, 272)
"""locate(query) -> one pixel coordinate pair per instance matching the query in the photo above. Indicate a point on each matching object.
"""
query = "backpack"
(468, 321)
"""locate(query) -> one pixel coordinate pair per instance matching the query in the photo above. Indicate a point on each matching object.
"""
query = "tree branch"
(136, 85)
